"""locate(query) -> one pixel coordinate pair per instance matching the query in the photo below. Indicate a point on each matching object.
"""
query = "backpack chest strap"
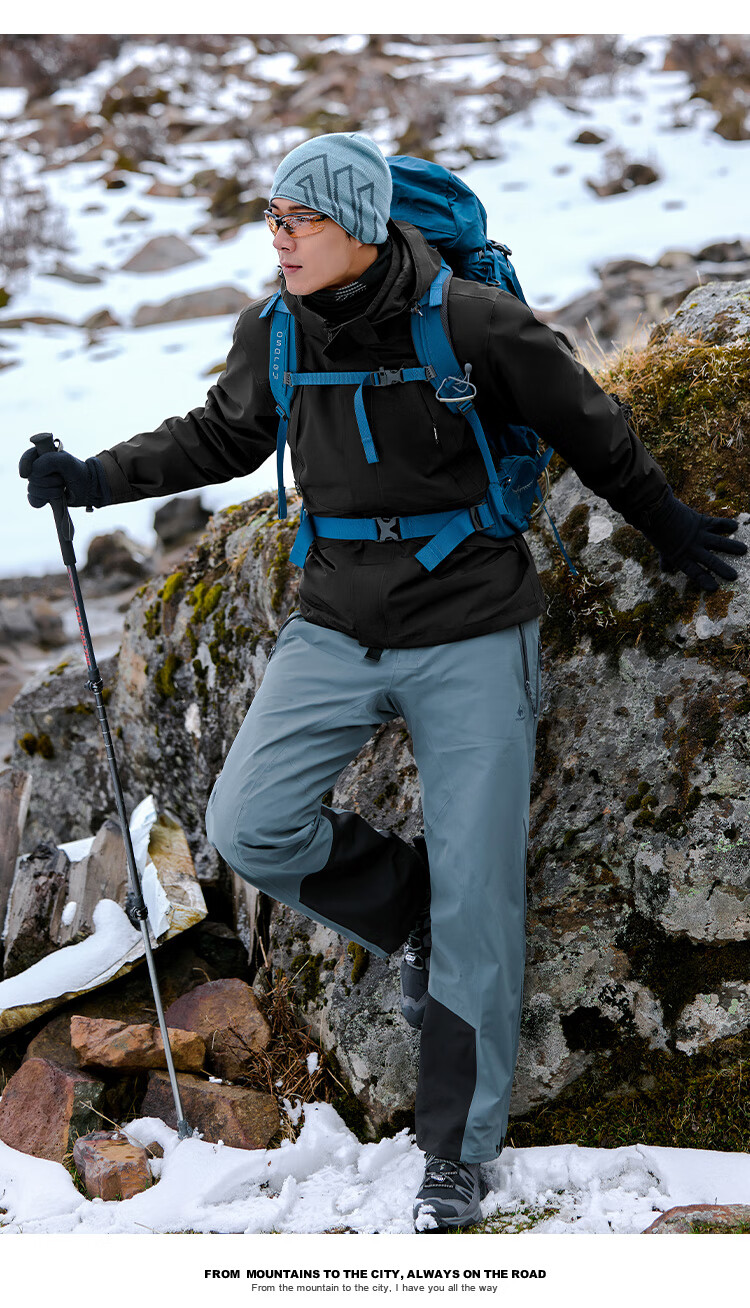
(380, 377)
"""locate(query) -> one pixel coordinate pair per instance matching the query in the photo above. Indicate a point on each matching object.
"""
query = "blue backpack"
(450, 217)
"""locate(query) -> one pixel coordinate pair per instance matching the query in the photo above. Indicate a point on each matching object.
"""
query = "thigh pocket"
(533, 687)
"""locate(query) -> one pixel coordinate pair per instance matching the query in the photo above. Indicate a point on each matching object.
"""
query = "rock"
(114, 561)
(60, 128)
(718, 313)
(71, 787)
(633, 296)
(242, 1119)
(33, 621)
(15, 789)
(133, 216)
(170, 887)
(45, 1108)
(227, 952)
(180, 520)
(227, 1016)
(100, 874)
(110, 1166)
(160, 254)
(349, 1000)
(99, 320)
(99, 1042)
(165, 190)
(634, 174)
(676, 259)
(589, 138)
(68, 274)
(702, 1219)
(53, 1043)
(200, 304)
(35, 320)
(38, 893)
(725, 252)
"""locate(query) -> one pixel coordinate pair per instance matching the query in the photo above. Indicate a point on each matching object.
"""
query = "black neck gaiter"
(342, 303)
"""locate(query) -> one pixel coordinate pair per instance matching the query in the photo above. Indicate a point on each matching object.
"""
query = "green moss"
(280, 570)
(575, 529)
(690, 399)
(205, 599)
(44, 746)
(580, 608)
(305, 974)
(173, 583)
(710, 1228)
(58, 671)
(360, 961)
(634, 1095)
(28, 743)
(164, 678)
(152, 620)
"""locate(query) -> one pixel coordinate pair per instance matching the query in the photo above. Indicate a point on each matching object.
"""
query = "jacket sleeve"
(230, 435)
(544, 387)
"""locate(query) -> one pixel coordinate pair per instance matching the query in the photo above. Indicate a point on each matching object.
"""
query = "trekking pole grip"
(44, 442)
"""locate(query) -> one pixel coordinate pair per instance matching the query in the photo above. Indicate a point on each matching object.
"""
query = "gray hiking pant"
(471, 707)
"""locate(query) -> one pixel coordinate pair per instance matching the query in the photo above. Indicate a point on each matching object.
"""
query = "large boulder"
(639, 904)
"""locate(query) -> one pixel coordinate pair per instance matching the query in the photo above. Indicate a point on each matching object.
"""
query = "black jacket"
(428, 457)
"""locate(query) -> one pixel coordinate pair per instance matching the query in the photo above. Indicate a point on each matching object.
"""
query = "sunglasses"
(295, 224)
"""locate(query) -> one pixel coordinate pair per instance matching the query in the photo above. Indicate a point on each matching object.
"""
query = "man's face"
(328, 257)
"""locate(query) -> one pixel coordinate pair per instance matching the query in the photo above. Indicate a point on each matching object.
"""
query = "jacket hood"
(414, 265)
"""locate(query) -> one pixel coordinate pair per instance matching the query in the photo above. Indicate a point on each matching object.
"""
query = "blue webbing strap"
(303, 540)
(282, 349)
(382, 377)
(409, 527)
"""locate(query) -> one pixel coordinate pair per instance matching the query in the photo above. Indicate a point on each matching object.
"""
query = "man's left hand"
(691, 542)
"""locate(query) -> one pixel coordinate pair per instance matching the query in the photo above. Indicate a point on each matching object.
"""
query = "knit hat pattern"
(343, 175)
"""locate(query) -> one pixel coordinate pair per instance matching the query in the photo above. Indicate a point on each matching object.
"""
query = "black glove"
(61, 476)
(687, 541)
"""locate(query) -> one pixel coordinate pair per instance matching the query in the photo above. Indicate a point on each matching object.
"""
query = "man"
(455, 650)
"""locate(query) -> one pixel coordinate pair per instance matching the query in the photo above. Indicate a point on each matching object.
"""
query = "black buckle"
(388, 376)
(388, 529)
(476, 520)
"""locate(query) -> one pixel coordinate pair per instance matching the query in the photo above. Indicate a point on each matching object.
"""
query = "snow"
(80, 967)
(326, 1178)
(75, 968)
(128, 380)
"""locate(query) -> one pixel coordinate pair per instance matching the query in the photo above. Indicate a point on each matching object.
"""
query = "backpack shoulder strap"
(429, 325)
(282, 353)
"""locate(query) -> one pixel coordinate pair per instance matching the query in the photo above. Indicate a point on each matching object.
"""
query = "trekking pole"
(45, 444)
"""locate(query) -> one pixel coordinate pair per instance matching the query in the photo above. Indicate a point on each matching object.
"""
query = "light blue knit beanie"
(343, 175)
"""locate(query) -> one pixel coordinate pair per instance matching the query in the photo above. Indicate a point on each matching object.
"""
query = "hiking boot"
(415, 965)
(449, 1196)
